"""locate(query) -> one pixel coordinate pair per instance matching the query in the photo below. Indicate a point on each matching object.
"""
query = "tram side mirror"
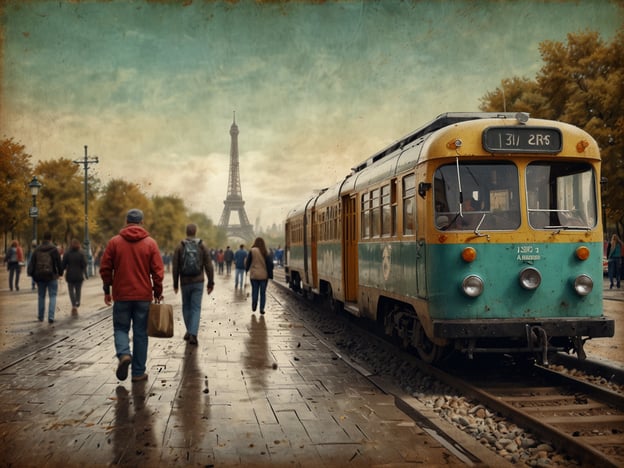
(422, 188)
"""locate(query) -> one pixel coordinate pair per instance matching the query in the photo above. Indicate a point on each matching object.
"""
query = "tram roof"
(441, 121)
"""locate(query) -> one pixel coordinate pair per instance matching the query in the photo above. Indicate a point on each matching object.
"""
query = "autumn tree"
(61, 199)
(169, 222)
(117, 197)
(15, 198)
(581, 83)
(211, 235)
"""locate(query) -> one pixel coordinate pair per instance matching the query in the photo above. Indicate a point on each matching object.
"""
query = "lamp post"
(87, 246)
(34, 185)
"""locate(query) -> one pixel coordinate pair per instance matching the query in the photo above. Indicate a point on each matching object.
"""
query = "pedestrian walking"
(14, 258)
(220, 261)
(132, 273)
(259, 264)
(228, 256)
(191, 261)
(74, 265)
(45, 268)
(239, 267)
(614, 251)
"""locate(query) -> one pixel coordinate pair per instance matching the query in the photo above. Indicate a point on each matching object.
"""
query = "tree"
(62, 200)
(168, 226)
(15, 198)
(118, 196)
(211, 235)
(581, 83)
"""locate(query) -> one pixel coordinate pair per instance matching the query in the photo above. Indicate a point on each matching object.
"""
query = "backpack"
(44, 266)
(12, 255)
(191, 259)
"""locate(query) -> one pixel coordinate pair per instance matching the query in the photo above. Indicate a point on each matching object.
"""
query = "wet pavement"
(256, 391)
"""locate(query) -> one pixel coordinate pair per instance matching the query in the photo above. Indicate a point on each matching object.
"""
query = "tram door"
(350, 247)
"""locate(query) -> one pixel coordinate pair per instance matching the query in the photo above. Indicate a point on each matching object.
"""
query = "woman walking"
(75, 268)
(259, 264)
(14, 259)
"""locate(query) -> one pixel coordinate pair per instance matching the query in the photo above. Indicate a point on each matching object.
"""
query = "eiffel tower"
(234, 200)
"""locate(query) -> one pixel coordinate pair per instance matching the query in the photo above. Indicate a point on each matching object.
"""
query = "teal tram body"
(477, 233)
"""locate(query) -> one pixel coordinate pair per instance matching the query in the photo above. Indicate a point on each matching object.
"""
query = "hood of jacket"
(133, 233)
(47, 247)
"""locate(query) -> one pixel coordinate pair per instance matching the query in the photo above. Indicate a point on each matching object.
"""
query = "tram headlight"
(472, 286)
(530, 278)
(583, 285)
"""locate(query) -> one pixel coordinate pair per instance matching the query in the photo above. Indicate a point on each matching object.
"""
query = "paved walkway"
(258, 390)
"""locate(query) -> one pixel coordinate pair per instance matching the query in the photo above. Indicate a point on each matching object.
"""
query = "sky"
(317, 87)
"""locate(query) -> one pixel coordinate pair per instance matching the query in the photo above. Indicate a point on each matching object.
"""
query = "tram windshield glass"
(476, 196)
(561, 195)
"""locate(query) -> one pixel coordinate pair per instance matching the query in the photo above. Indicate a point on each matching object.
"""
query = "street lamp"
(34, 185)
(87, 245)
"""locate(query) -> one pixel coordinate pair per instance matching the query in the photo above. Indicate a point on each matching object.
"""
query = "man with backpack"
(45, 268)
(191, 260)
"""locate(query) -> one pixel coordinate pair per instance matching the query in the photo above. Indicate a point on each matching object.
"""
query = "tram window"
(409, 205)
(366, 216)
(376, 213)
(561, 195)
(476, 194)
(386, 221)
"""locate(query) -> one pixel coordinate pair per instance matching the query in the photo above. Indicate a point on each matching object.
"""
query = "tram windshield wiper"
(477, 232)
(567, 228)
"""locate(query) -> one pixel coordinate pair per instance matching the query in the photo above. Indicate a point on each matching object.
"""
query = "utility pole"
(87, 246)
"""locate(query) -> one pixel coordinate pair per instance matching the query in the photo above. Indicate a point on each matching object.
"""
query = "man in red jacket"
(133, 266)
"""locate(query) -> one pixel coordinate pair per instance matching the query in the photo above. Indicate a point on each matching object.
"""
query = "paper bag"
(160, 320)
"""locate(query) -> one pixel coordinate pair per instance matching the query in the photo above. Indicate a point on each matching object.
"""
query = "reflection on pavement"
(256, 358)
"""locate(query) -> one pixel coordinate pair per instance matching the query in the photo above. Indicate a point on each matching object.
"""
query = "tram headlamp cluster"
(530, 278)
(472, 286)
(583, 285)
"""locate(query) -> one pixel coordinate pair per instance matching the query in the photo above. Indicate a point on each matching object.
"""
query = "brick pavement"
(256, 391)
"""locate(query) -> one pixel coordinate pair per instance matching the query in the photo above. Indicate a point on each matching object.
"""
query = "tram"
(476, 233)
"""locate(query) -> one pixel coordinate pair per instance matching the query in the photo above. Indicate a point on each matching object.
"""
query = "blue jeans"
(52, 288)
(191, 306)
(14, 274)
(75, 290)
(136, 312)
(613, 270)
(258, 287)
(239, 277)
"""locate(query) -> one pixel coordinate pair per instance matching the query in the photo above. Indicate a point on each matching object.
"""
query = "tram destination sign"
(522, 139)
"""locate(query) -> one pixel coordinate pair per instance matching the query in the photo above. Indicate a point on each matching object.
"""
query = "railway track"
(578, 418)
(582, 419)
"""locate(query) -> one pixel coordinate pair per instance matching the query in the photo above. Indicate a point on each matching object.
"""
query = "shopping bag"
(160, 320)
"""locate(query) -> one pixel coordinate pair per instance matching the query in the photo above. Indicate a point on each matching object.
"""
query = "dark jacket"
(132, 265)
(208, 268)
(50, 248)
(75, 265)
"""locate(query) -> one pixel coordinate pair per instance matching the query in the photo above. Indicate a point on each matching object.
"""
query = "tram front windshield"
(561, 195)
(474, 196)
